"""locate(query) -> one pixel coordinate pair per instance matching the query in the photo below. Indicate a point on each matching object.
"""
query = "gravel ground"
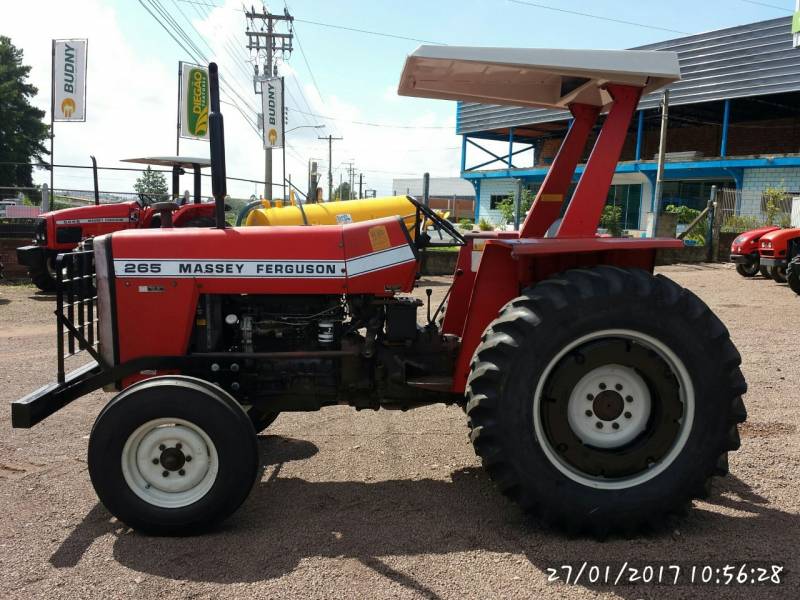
(387, 504)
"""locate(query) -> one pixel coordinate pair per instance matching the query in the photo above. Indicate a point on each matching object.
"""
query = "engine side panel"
(160, 274)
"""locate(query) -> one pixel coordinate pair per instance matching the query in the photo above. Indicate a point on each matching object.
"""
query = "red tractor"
(776, 249)
(597, 394)
(744, 252)
(62, 230)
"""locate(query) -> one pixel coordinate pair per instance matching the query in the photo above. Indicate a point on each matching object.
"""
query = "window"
(495, 200)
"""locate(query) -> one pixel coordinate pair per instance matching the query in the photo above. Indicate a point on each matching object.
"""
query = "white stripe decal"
(379, 260)
(94, 220)
(266, 269)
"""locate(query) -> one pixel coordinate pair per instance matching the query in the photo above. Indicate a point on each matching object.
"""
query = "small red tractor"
(63, 230)
(776, 249)
(744, 252)
(598, 395)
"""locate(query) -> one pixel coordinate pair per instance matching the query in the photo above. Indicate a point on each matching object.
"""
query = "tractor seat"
(165, 209)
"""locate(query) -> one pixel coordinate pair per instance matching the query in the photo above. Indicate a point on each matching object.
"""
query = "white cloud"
(131, 104)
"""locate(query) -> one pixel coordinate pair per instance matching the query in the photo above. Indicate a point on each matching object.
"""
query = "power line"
(369, 32)
(331, 25)
(598, 17)
(783, 8)
(371, 124)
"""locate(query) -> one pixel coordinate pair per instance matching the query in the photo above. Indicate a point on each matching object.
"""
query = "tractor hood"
(90, 213)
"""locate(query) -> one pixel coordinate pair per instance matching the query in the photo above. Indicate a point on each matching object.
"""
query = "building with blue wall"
(734, 122)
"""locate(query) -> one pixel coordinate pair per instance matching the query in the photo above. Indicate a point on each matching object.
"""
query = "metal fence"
(741, 210)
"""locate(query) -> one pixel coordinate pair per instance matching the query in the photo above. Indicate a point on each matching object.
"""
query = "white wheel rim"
(687, 398)
(151, 451)
(632, 418)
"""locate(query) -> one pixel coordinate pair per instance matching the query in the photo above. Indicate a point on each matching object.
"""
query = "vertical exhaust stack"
(216, 135)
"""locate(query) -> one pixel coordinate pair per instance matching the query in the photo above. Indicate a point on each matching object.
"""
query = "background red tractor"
(597, 394)
(776, 249)
(744, 252)
(62, 230)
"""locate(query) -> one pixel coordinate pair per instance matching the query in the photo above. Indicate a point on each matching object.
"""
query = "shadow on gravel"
(4, 301)
(287, 519)
(43, 297)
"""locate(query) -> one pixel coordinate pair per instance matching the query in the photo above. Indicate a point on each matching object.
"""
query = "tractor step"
(433, 383)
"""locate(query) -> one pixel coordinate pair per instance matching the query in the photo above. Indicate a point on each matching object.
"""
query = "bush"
(485, 225)
(685, 214)
(611, 220)
(465, 223)
(739, 223)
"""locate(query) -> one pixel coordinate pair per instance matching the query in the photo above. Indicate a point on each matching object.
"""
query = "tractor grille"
(76, 306)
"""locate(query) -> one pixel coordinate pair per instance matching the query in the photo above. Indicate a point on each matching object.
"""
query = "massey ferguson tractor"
(744, 252)
(63, 230)
(598, 395)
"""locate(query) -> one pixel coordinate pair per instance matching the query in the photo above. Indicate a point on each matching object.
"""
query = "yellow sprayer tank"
(332, 213)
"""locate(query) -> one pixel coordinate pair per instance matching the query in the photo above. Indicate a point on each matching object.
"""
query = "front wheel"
(778, 274)
(172, 455)
(749, 269)
(605, 399)
(44, 276)
(793, 274)
(764, 271)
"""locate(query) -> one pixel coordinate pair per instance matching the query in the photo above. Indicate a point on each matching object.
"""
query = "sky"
(338, 77)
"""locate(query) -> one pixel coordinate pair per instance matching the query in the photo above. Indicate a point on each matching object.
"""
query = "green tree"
(611, 219)
(22, 131)
(152, 186)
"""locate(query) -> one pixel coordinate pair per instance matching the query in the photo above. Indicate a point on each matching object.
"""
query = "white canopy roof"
(185, 162)
(539, 77)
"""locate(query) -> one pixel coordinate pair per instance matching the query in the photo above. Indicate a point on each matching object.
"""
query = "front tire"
(764, 271)
(651, 363)
(748, 270)
(172, 455)
(793, 274)
(778, 274)
(44, 277)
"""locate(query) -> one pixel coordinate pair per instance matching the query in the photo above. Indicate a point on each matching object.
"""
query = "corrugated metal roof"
(749, 60)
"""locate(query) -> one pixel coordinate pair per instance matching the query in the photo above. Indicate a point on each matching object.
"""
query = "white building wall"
(756, 180)
(490, 187)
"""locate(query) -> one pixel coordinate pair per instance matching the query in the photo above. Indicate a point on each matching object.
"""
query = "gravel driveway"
(388, 504)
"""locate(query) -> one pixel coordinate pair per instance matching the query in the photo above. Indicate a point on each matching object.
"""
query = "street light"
(307, 126)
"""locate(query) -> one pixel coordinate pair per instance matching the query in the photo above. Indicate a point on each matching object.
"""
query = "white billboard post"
(272, 107)
(68, 86)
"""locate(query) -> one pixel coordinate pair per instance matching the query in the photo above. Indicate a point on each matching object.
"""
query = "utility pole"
(264, 42)
(360, 184)
(330, 139)
(349, 179)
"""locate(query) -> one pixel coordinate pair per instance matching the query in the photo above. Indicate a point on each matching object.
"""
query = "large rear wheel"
(605, 399)
(172, 455)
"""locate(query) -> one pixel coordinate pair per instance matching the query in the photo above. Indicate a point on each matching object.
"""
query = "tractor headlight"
(766, 244)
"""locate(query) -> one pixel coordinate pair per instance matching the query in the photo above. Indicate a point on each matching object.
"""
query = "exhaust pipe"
(216, 137)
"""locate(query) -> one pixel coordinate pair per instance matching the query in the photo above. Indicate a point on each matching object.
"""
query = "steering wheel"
(423, 215)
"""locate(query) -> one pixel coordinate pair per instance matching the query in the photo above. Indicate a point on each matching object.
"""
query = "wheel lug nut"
(615, 425)
(178, 446)
(590, 396)
(602, 386)
(618, 387)
(188, 458)
(599, 425)
(165, 473)
(162, 447)
(628, 415)
(155, 461)
(628, 398)
(589, 413)
(181, 472)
